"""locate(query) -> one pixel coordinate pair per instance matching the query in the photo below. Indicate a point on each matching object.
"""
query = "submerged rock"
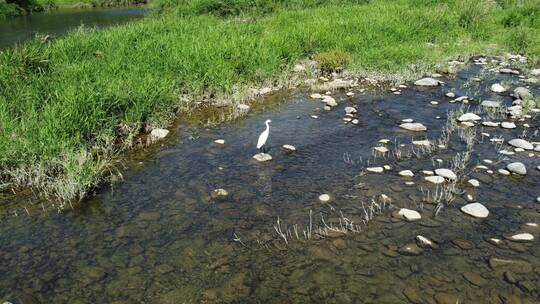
(413, 126)
(491, 104)
(523, 93)
(521, 143)
(262, 157)
(476, 210)
(410, 249)
(517, 168)
(517, 266)
(425, 242)
(409, 215)
(428, 82)
(474, 278)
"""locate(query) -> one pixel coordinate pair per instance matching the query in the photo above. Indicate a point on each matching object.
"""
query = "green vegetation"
(88, 3)
(68, 106)
(18, 7)
(333, 61)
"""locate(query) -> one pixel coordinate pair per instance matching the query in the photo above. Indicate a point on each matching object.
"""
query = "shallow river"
(160, 236)
(18, 29)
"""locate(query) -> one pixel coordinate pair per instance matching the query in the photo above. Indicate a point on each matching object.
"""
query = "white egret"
(264, 135)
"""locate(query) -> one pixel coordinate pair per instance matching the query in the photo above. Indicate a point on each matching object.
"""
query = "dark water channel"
(161, 237)
(55, 23)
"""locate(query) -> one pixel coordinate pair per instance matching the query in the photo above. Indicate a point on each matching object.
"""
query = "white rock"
(469, 117)
(220, 192)
(446, 173)
(414, 126)
(355, 121)
(508, 125)
(330, 101)
(476, 210)
(265, 90)
(491, 104)
(384, 141)
(375, 169)
(535, 72)
(409, 215)
(424, 241)
(434, 103)
(490, 124)
(381, 149)
(497, 88)
(517, 168)
(350, 110)
(406, 173)
(424, 143)
(428, 82)
(314, 116)
(531, 225)
(428, 172)
(467, 124)
(522, 93)
(474, 182)
(289, 147)
(515, 111)
(521, 143)
(387, 167)
(219, 141)
(504, 152)
(450, 94)
(324, 198)
(523, 237)
(435, 179)
(350, 94)
(488, 161)
(157, 134)
(316, 96)
(504, 172)
(407, 120)
(262, 157)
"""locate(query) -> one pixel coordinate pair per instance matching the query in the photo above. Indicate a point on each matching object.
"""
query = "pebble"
(474, 279)
(316, 96)
(469, 117)
(490, 124)
(406, 173)
(450, 94)
(314, 116)
(220, 192)
(428, 172)
(407, 120)
(475, 210)
(517, 168)
(446, 173)
(289, 147)
(490, 104)
(435, 179)
(522, 237)
(521, 143)
(409, 215)
(428, 82)
(324, 198)
(508, 125)
(410, 249)
(423, 143)
(474, 182)
(262, 157)
(381, 149)
(350, 110)
(219, 141)
(157, 134)
(384, 141)
(497, 88)
(375, 169)
(425, 242)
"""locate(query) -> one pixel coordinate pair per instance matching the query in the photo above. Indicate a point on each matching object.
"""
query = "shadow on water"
(160, 236)
(56, 23)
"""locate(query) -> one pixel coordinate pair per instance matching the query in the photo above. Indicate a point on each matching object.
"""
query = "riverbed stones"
(450, 95)
(407, 120)
(517, 168)
(521, 237)
(521, 143)
(381, 149)
(468, 117)
(219, 141)
(410, 249)
(350, 110)
(475, 210)
(316, 96)
(262, 157)
(424, 242)
(422, 143)
(515, 111)
(158, 134)
(497, 88)
(329, 101)
(406, 173)
(446, 173)
(413, 295)
(324, 198)
(435, 179)
(490, 124)
(219, 193)
(428, 82)
(413, 126)
(409, 215)
(522, 93)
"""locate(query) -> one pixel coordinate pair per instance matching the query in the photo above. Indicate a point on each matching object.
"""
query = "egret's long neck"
(267, 126)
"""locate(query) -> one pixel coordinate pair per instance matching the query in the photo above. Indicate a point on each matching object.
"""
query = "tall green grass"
(68, 106)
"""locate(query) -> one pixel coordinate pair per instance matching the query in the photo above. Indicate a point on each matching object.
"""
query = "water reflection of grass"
(68, 106)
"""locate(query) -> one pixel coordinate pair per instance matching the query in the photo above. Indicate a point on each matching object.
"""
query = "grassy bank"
(67, 107)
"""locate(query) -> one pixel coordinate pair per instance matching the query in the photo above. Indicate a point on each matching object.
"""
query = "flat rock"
(220, 193)
(406, 173)
(517, 266)
(424, 242)
(422, 143)
(521, 237)
(474, 278)
(515, 111)
(476, 210)
(324, 198)
(491, 124)
(350, 110)
(490, 104)
(428, 82)
(497, 88)
(262, 157)
(381, 149)
(219, 141)
(413, 295)
(474, 182)
(517, 168)
(522, 93)
(413, 126)
(446, 173)
(447, 298)
(375, 169)
(435, 179)
(409, 215)
(329, 101)
(410, 249)
(521, 143)
(289, 148)
(469, 117)
(316, 96)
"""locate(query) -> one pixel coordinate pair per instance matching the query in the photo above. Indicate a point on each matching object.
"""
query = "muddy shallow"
(161, 237)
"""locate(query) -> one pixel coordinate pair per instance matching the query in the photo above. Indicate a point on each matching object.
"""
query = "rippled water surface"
(160, 236)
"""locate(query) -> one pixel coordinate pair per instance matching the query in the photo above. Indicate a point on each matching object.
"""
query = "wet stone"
(413, 295)
(410, 249)
(516, 266)
(463, 244)
(474, 279)
(340, 244)
(447, 298)
(413, 126)
(406, 173)
(149, 216)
